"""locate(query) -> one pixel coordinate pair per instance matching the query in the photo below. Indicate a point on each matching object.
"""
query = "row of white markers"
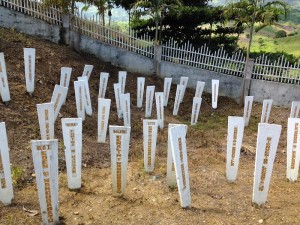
(266, 147)
(45, 151)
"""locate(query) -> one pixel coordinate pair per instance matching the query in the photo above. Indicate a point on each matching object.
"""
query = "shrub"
(280, 34)
(292, 34)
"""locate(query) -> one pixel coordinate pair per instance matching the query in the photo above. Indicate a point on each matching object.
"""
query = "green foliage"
(292, 34)
(251, 12)
(281, 34)
(156, 10)
(192, 21)
(273, 56)
(16, 174)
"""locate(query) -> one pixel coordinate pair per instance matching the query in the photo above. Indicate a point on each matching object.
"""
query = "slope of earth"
(148, 200)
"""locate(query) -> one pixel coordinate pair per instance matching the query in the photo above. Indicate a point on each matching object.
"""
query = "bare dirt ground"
(148, 200)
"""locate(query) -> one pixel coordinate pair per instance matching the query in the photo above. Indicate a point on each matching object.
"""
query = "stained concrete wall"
(230, 86)
(130, 61)
(282, 94)
(29, 25)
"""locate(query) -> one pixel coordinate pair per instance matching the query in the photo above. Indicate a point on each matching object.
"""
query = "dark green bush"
(280, 34)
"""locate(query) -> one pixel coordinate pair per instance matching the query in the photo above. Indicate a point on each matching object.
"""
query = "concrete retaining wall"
(229, 86)
(282, 94)
(29, 25)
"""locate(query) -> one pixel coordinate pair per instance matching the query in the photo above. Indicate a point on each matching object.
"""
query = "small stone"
(33, 175)
(261, 221)
(76, 213)
(156, 177)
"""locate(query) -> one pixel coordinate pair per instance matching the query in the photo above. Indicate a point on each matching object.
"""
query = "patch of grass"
(213, 121)
(16, 174)
(253, 123)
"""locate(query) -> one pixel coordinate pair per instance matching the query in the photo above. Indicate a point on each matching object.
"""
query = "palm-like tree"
(155, 9)
(251, 12)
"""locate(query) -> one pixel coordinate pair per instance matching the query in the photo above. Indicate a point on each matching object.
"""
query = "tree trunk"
(156, 31)
(72, 7)
(103, 18)
(160, 32)
(129, 20)
(243, 94)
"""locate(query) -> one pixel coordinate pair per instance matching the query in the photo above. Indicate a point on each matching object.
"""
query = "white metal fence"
(219, 61)
(280, 70)
(202, 57)
(92, 27)
(35, 9)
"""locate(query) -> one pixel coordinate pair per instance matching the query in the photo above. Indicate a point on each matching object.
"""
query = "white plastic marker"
(58, 97)
(46, 120)
(140, 91)
(87, 96)
(119, 147)
(45, 159)
(265, 114)
(72, 134)
(4, 88)
(234, 144)
(293, 148)
(103, 116)
(266, 147)
(247, 109)
(195, 110)
(80, 99)
(179, 92)
(149, 100)
(150, 128)
(65, 77)
(167, 88)
(184, 82)
(179, 152)
(103, 84)
(199, 89)
(29, 61)
(6, 188)
(215, 93)
(295, 109)
(87, 71)
(117, 88)
(125, 107)
(159, 99)
(122, 80)
(171, 176)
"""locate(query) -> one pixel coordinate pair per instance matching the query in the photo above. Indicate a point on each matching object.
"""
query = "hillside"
(148, 200)
(265, 40)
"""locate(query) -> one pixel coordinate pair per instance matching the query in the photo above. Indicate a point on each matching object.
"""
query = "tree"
(156, 9)
(194, 21)
(67, 6)
(251, 12)
(128, 6)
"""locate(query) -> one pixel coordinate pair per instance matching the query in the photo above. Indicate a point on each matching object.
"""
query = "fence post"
(64, 32)
(157, 59)
(249, 66)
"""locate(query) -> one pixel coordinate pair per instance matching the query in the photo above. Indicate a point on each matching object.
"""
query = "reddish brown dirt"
(147, 200)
